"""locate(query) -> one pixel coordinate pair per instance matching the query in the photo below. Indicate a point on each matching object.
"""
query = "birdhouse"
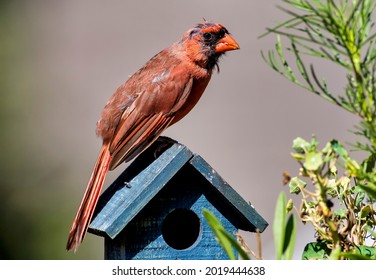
(154, 209)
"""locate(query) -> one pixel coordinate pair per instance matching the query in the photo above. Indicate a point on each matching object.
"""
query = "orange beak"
(227, 43)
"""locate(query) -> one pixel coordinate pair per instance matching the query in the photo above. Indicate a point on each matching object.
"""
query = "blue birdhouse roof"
(143, 180)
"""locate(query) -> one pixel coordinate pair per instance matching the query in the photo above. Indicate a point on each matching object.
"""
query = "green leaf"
(290, 238)
(313, 160)
(369, 188)
(314, 143)
(297, 156)
(316, 251)
(364, 212)
(369, 163)
(339, 149)
(341, 213)
(296, 184)
(243, 254)
(284, 233)
(367, 251)
(339, 32)
(360, 196)
(300, 145)
(217, 228)
(352, 167)
(225, 239)
(336, 253)
(279, 225)
(354, 256)
(290, 74)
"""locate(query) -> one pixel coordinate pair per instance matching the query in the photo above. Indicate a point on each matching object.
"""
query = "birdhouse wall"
(172, 225)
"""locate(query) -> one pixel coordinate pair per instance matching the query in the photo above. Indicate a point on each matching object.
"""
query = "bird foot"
(163, 143)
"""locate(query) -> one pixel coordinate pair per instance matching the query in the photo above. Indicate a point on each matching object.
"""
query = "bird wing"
(149, 114)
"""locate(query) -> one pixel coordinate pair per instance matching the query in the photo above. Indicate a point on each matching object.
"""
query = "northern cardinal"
(158, 95)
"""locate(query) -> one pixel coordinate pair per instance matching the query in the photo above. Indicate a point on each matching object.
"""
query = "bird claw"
(163, 144)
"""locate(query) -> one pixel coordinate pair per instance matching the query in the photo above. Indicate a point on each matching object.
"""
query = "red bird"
(154, 98)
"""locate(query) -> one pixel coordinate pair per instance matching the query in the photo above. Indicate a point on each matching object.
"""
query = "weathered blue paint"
(250, 219)
(123, 201)
(130, 215)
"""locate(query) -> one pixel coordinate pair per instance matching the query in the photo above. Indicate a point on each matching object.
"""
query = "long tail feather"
(89, 201)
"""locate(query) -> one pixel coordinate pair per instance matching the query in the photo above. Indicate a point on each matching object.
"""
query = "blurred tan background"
(61, 61)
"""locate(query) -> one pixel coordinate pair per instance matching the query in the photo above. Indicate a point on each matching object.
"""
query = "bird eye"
(207, 36)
